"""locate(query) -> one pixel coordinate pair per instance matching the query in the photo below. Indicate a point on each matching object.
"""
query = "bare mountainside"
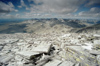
(93, 29)
(43, 25)
(46, 42)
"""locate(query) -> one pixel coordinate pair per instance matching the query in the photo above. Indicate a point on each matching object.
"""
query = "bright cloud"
(50, 8)
(57, 6)
(92, 3)
(6, 8)
(93, 12)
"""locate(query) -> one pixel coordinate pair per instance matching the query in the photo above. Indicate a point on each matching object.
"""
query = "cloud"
(6, 8)
(93, 12)
(16, 10)
(30, 0)
(92, 3)
(56, 6)
(22, 4)
(60, 8)
(17, 15)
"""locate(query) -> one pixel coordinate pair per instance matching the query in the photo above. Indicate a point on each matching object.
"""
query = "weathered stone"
(27, 54)
(66, 63)
(42, 48)
(96, 41)
(53, 63)
(96, 35)
(6, 58)
(98, 59)
(94, 52)
(42, 63)
(44, 58)
(96, 46)
(66, 35)
(1, 48)
(20, 64)
(88, 46)
(78, 64)
(22, 43)
(11, 40)
(29, 65)
(76, 48)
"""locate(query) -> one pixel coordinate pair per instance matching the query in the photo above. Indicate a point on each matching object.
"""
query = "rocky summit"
(70, 49)
(50, 42)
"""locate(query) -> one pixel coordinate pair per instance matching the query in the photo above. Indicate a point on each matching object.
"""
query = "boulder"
(95, 52)
(42, 48)
(27, 54)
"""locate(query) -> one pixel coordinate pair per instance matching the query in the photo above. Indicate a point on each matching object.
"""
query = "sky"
(49, 9)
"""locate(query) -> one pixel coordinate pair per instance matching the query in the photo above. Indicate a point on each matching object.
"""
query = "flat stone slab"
(21, 43)
(96, 41)
(66, 63)
(11, 40)
(88, 46)
(96, 35)
(53, 63)
(6, 58)
(27, 53)
(76, 48)
(94, 52)
(42, 48)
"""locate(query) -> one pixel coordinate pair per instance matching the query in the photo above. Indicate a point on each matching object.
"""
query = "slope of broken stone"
(66, 63)
(44, 48)
(77, 54)
(6, 58)
(53, 63)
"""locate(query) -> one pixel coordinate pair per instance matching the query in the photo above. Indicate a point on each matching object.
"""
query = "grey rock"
(53, 63)
(78, 64)
(95, 52)
(78, 49)
(27, 54)
(44, 58)
(98, 59)
(6, 58)
(66, 63)
(1, 47)
(42, 48)
(96, 41)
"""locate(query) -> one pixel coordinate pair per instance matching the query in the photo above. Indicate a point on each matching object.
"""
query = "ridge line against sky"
(50, 9)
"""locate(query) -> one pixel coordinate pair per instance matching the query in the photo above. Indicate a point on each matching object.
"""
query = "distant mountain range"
(93, 28)
(52, 25)
(11, 20)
